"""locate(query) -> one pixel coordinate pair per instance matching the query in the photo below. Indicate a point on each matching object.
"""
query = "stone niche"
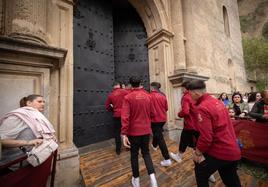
(29, 68)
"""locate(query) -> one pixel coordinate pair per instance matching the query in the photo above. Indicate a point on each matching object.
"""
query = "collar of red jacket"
(202, 98)
(137, 88)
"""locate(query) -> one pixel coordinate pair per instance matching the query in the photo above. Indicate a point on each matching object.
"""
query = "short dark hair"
(156, 85)
(185, 84)
(196, 85)
(237, 93)
(116, 83)
(23, 101)
(135, 81)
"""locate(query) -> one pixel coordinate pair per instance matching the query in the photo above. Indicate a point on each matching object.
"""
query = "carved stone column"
(26, 19)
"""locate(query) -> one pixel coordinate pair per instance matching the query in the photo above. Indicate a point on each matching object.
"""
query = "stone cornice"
(71, 2)
(179, 78)
(159, 36)
(17, 46)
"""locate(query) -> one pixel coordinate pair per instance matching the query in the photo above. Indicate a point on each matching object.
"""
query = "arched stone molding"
(155, 15)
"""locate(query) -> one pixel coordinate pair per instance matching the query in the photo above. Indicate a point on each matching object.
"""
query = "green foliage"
(256, 59)
(262, 83)
(255, 53)
(265, 31)
(246, 22)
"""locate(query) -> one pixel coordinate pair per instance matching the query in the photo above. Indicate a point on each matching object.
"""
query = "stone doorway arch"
(160, 45)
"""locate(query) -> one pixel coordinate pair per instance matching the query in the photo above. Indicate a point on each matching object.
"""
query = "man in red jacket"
(216, 147)
(159, 103)
(189, 132)
(114, 104)
(136, 129)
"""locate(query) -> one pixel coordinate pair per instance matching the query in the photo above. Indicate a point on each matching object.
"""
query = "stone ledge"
(18, 46)
(179, 78)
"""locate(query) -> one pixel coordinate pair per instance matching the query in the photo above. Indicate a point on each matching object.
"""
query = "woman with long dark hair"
(224, 98)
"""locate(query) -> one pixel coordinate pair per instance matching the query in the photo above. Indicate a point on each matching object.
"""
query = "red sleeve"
(205, 129)
(107, 104)
(125, 115)
(185, 108)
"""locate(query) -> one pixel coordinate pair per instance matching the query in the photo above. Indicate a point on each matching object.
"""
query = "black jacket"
(257, 112)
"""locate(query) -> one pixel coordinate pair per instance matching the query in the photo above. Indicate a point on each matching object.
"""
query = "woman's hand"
(126, 141)
(35, 142)
(242, 115)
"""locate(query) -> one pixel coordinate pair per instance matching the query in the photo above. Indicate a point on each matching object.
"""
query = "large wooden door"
(109, 45)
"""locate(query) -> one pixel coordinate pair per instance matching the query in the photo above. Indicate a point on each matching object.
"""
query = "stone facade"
(187, 39)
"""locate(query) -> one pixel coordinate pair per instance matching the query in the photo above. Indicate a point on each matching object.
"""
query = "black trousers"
(136, 143)
(226, 169)
(188, 139)
(117, 133)
(158, 138)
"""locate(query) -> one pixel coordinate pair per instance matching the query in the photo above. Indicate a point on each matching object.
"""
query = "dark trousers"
(158, 138)
(117, 133)
(136, 143)
(226, 169)
(188, 139)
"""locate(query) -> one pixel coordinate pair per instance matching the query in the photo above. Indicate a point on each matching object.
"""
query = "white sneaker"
(154, 148)
(135, 182)
(212, 178)
(166, 163)
(175, 157)
(153, 180)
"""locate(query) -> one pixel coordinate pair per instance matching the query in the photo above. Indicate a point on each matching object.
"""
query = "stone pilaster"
(188, 20)
(1, 17)
(161, 66)
(26, 20)
(178, 40)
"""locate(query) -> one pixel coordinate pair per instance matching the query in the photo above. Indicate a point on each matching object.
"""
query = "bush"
(256, 59)
(246, 22)
(265, 31)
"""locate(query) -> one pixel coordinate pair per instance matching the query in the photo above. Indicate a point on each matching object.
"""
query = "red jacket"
(136, 113)
(217, 136)
(188, 111)
(159, 103)
(115, 99)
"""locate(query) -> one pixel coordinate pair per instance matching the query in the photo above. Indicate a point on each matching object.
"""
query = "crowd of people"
(208, 127)
(251, 106)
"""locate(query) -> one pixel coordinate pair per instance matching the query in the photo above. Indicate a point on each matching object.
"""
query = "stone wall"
(212, 51)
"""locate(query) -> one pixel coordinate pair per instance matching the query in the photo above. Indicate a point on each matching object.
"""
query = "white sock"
(153, 180)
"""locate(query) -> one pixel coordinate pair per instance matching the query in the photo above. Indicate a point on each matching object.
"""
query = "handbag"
(41, 153)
